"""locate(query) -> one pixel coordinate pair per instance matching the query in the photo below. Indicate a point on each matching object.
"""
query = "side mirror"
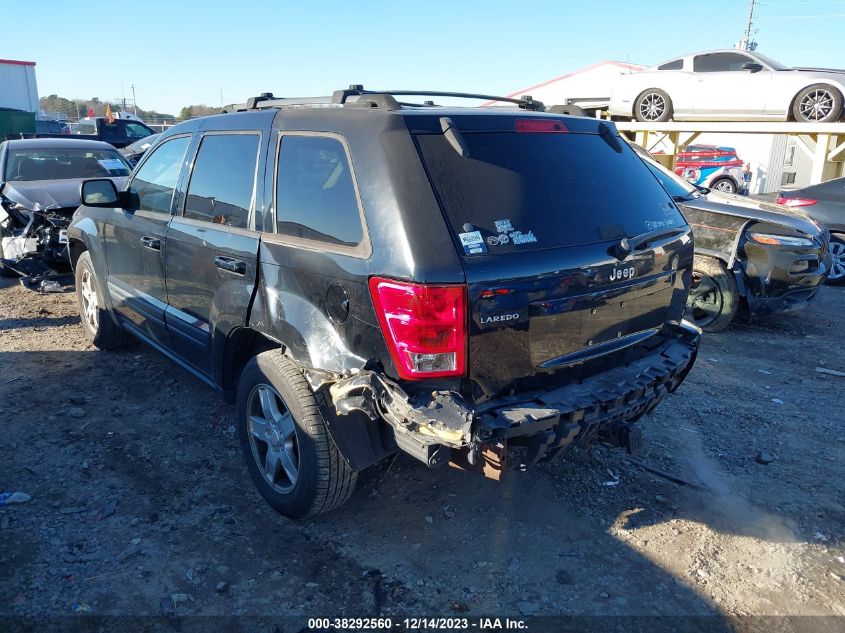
(754, 67)
(99, 193)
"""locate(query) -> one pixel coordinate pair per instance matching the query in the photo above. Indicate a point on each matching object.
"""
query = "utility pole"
(134, 102)
(745, 43)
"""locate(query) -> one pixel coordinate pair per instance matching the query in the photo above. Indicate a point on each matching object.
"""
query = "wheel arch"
(242, 345)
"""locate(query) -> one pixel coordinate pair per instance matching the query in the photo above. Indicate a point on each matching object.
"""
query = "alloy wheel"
(652, 106)
(725, 186)
(705, 302)
(837, 266)
(90, 303)
(816, 105)
(272, 438)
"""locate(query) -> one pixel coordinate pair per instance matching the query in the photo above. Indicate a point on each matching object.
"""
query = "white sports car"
(729, 85)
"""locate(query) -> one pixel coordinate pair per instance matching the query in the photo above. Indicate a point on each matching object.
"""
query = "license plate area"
(564, 326)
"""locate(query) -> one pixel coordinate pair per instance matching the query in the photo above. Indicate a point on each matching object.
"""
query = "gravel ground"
(141, 503)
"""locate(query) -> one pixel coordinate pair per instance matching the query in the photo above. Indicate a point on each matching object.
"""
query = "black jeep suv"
(362, 276)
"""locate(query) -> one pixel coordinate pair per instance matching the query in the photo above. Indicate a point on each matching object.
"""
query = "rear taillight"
(424, 326)
(540, 125)
(796, 202)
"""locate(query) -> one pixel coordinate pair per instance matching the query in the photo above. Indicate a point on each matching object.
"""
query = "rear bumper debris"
(440, 426)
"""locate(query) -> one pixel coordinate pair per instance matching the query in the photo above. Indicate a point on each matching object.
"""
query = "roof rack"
(357, 96)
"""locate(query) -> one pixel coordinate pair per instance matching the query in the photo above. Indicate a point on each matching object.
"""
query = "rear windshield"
(524, 191)
(64, 164)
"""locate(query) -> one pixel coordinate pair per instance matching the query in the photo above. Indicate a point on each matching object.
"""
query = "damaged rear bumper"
(432, 425)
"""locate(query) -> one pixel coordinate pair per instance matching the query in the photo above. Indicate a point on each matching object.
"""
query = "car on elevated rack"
(362, 276)
(825, 203)
(764, 256)
(729, 85)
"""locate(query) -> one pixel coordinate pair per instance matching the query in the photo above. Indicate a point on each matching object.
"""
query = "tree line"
(77, 108)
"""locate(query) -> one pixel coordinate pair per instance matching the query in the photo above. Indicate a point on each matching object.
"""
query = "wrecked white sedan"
(39, 191)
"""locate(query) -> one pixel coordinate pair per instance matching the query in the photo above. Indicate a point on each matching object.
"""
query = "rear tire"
(837, 267)
(102, 330)
(725, 185)
(714, 297)
(653, 106)
(289, 452)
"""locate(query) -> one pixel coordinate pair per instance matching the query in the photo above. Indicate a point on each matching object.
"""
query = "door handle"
(231, 264)
(151, 242)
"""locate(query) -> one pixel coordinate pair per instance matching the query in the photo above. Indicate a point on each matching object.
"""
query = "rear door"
(212, 244)
(135, 241)
(538, 217)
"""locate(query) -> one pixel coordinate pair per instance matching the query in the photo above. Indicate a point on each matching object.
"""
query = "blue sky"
(181, 53)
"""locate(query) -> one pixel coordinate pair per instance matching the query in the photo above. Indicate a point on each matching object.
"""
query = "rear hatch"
(539, 207)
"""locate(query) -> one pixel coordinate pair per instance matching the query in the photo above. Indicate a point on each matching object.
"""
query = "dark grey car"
(766, 256)
(825, 203)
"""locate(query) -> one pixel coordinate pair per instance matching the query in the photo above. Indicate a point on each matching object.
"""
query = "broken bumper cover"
(429, 425)
(600, 406)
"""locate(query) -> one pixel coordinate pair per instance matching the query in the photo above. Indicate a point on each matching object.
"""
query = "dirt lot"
(141, 503)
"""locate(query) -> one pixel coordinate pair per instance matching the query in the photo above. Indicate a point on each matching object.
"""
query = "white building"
(592, 83)
(18, 89)
(774, 159)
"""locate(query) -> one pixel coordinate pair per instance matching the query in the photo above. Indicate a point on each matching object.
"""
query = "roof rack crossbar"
(526, 102)
(356, 93)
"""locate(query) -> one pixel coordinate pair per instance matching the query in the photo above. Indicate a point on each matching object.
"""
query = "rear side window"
(678, 64)
(533, 191)
(155, 181)
(315, 192)
(222, 184)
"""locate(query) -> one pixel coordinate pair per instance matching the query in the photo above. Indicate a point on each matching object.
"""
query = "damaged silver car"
(39, 191)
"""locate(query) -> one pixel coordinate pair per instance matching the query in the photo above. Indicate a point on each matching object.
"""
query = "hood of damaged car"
(752, 209)
(48, 194)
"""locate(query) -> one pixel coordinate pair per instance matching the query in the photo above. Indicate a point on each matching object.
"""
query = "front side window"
(64, 164)
(315, 192)
(223, 181)
(720, 62)
(155, 181)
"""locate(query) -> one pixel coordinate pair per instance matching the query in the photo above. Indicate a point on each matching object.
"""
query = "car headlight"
(780, 240)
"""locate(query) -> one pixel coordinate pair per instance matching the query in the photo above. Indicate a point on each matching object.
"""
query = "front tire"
(714, 297)
(290, 455)
(837, 266)
(653, 106)
(102, 330)
(819, 103)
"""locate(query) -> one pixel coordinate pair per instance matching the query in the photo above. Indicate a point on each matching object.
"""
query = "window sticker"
(472, 242)
(503, 226)
(507, 234)
(112, 164)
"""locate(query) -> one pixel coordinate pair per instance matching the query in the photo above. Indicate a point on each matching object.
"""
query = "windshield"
(64, 164)
(534, 191)
(776, 65)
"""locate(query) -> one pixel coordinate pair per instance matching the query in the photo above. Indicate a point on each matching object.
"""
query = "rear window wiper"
(628, 245)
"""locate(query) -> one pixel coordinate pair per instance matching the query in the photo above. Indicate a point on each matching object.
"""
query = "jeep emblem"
(622, 273)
